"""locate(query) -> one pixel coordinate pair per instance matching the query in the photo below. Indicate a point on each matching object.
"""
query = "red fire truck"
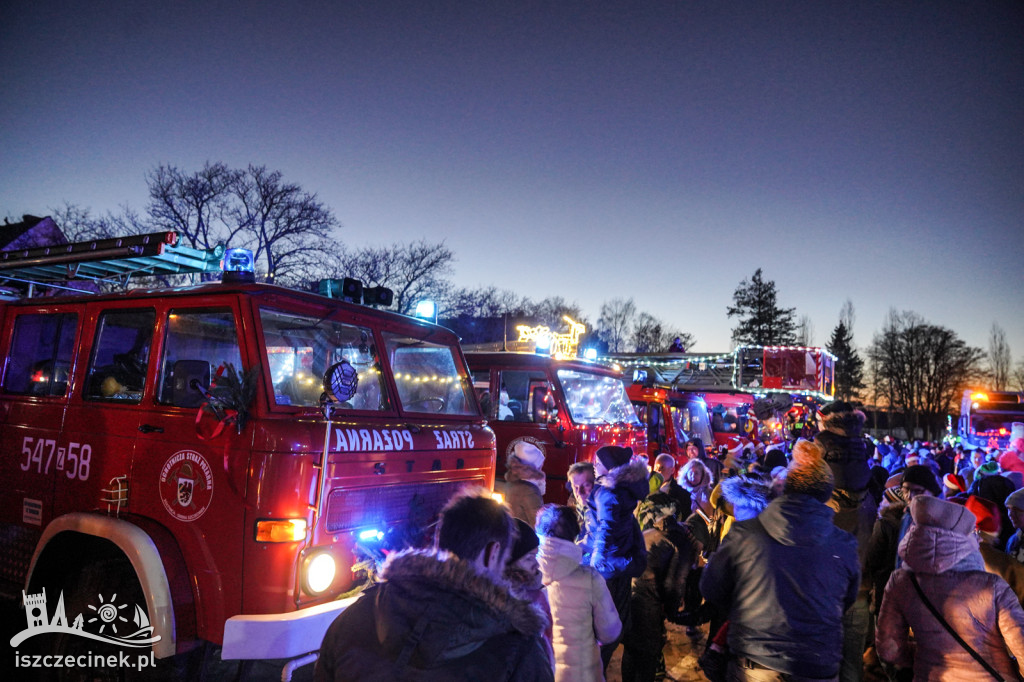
(228, 455)
(567, 408)
(728, 399)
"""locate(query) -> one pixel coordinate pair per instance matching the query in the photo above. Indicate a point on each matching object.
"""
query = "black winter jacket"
(786, 577)
(846, 451)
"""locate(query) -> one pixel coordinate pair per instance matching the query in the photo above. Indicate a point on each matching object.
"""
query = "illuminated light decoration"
(554, 343)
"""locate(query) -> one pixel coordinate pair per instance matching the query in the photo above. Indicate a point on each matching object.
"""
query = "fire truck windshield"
(300, 349)
(427, 376)
(596, 399)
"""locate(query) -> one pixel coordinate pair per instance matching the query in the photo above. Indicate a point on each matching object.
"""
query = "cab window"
(200, 346)
(522, 394)
(301, 349)
(427, 376)
(40, 358)
(120, 356)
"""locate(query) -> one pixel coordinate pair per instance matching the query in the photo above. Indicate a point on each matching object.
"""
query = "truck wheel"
(101, 599)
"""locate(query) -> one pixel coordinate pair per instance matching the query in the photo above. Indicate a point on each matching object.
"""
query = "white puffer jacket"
(581, 608)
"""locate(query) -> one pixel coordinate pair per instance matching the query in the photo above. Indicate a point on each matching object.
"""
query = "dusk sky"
(656, 150)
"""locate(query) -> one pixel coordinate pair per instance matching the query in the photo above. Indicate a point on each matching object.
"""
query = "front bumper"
(280, 635)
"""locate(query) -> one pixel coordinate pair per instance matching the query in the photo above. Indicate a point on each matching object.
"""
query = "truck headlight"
(320, 571)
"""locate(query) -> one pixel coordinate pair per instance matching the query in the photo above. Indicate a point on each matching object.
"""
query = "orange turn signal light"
(280, 530)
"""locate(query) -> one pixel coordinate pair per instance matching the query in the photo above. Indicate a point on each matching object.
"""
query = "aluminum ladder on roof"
(113, 260)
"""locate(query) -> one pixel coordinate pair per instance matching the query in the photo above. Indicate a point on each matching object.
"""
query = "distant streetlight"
(427, 310)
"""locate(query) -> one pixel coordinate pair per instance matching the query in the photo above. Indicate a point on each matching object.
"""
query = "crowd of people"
(837, 557)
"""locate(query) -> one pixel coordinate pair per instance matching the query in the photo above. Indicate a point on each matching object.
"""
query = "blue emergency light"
(238, 266)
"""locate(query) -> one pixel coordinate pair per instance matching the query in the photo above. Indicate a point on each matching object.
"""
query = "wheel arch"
(136, 545)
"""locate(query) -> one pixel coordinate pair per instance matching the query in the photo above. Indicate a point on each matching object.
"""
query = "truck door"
(95, 447)
(35, 388)
(190, 467)
(526, 409)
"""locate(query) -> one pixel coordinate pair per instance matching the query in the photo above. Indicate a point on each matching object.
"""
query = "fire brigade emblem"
(186, 485)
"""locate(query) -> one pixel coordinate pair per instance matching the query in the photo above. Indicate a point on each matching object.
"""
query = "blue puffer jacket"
(612, 541)
(786, 577)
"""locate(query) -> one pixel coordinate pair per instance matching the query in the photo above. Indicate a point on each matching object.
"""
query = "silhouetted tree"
(999, 359)
(414, 272)
(761, 321)
(615, 323)
(849, 365)
(922, 369)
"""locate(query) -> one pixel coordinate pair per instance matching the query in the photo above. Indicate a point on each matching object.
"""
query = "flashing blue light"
(237, 260)
(543, 343)
(426, 310)
(639, 376)
(372, 534)
(590, 354)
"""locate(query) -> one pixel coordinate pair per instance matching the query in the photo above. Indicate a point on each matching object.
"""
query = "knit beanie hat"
(809, 474)
(922, 475)
(654, 508)
(529, 454)
(1015, 500)
(986, 512)
(987, 469)
(938, 513)
(525, 543)
(612, 456)
(774, 457)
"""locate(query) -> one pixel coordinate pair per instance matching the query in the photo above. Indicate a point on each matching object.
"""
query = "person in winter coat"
(442, 614)
(679, 494)
(656, 593)
(612, 541)
(583, 613)
(941, 553)
(1015, 512)
(849, 455)
(786, 577)
(526, 482)
(522, 572)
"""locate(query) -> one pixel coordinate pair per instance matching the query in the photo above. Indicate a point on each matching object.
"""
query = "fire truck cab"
(231, 456)
(566, 408)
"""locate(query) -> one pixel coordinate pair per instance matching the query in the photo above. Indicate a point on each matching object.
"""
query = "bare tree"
(652, 335)
(999, 359)
(847, 315)
(197, 206)
(79, 225)
(616, 322)
(481, 302)
(1018, 375)
(287, 227)
(922, 368)
(414, 272)
(805, 331)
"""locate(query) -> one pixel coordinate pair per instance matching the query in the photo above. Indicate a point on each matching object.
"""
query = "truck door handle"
(149, 428)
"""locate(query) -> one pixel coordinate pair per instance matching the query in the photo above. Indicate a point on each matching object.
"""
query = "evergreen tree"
(849, 364)
(762, 321)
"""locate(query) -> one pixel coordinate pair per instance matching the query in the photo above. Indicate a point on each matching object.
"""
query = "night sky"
(591, 150)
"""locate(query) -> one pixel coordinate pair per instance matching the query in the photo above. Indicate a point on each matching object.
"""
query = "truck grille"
(383, 506)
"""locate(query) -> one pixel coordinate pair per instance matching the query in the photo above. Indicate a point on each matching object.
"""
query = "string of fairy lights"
(732, 360)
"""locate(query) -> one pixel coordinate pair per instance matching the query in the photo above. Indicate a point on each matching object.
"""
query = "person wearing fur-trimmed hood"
(612, 541)
(526, 481)
(442, 614)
